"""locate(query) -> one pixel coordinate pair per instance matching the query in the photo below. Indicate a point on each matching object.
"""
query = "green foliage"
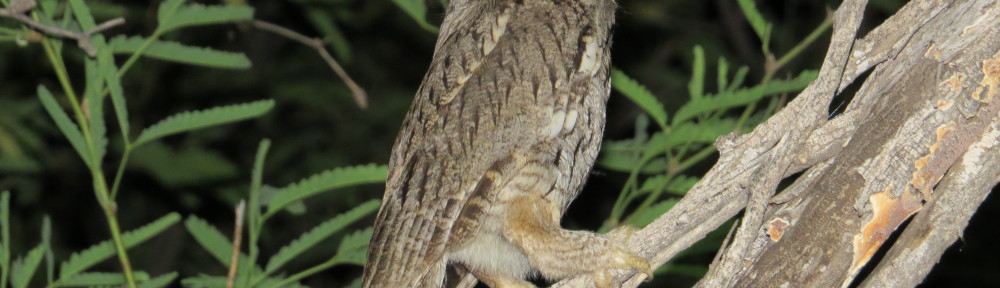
(646, 216)
(23, 269)
(757, 21)
(100, 279)
(696, 87)
(219, 247)
(69, 130)
(418, 11)
(694, 127)
(109, 71)
(354, 247)
(741, 97)
(174, 14)
(82, 14)
(159, 281)
(88, 133)
(180, 53)
(320, 233)
(83, 260)
(211, 240)
(191, 120)
(327, 180)
(638, 94)
(202, 165)
(206, 281)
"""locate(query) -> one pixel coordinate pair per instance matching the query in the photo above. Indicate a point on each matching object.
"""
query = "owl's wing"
(430, 181)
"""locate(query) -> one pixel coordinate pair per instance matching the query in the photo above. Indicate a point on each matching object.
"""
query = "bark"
(918, 138)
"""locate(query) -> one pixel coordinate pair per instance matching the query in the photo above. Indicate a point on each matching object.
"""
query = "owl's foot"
(532, 226)
(625, 258)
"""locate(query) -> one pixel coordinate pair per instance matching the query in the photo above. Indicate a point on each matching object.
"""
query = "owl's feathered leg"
(532, 224)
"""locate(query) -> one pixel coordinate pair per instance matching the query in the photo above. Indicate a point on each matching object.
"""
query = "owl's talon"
(628, 260)
(602, 279)
(625, 258)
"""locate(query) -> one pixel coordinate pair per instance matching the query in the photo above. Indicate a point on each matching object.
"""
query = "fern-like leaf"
(208, 281)
(640, 96)
(722, 74)
(757, 21)
(24, 269)
(204, 281)
(652, 184)
(109, 71)
(191, 120)
(104, 250)
(210, 238)
(354, 247)
(327, 180)
(82, 14)
(321, 232)
(173, 14)
(696, 87)
(66, 126)
(180, 53)
(742, 97)
(704, 133)
(95, 112)
(159, 281)
(101, 279)
(626, 162)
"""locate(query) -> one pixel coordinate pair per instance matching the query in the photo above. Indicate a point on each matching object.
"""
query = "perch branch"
(729, 185)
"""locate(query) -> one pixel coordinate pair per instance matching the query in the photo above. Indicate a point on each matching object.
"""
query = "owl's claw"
(626, 259)
(623, 258)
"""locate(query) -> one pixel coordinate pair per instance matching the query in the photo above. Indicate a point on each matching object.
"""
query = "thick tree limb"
(928, 100)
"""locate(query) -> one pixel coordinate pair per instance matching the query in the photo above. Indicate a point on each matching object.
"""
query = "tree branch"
(800, 137)
(16, 12)
(360, 97)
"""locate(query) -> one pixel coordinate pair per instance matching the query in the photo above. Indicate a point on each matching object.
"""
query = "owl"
(500, 138)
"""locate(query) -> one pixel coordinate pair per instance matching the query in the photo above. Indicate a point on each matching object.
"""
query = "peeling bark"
(918, 139)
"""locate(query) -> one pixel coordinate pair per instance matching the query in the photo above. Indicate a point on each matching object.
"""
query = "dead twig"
(237, 236)
(16, 12)
(356, 91)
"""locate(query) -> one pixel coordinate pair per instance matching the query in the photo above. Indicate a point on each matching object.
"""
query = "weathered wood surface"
(918, 139)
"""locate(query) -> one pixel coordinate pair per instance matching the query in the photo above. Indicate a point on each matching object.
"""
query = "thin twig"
(82, 38)
(356, 91)
(234, 260)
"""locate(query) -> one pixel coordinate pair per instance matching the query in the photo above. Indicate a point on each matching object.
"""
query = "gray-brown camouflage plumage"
(499, 140)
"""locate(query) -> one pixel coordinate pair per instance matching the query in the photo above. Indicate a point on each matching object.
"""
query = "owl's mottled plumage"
(499, 140)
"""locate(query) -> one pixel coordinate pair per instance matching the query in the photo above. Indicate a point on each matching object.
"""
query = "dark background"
(316, 126)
